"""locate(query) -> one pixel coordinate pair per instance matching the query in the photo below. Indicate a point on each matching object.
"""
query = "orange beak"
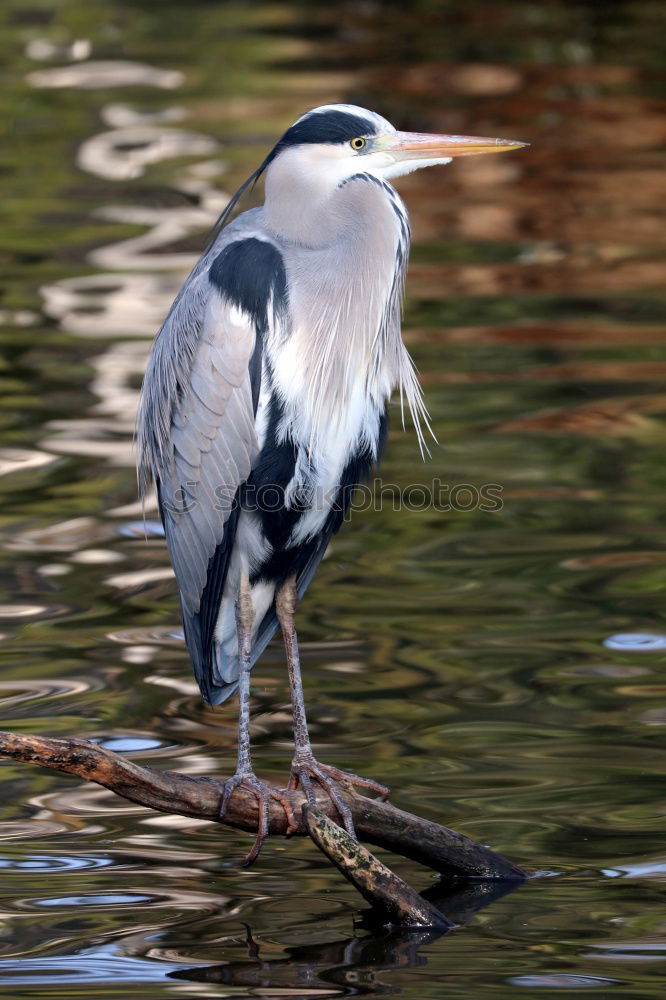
(421, 146)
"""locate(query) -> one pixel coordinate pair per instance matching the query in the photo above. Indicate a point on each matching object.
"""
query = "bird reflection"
(352, 966)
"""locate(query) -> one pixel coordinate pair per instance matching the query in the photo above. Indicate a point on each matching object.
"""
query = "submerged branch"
(393, 898)
(377, 822)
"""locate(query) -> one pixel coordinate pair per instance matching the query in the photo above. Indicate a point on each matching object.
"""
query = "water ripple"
(131, 743)
(15, 692)
(20, 460)
(458, 654)
(61, 536)
(142, 529)
(149, 636)
(108, 964)
(54, 863)
(104, 74)
(563, 981)
(124, 153)
(96, 899)
(636, 642)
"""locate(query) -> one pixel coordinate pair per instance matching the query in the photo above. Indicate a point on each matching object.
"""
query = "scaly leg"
(304, 766)
(244, 773)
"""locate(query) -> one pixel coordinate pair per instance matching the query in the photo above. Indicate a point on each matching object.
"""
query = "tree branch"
(377, 822)
(392, 897)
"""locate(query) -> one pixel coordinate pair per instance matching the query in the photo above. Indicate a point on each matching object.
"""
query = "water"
(501, 669)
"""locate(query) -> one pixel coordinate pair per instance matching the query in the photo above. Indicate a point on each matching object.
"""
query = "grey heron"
(265, 401)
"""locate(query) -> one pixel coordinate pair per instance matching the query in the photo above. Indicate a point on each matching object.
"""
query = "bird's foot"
(305, 769)
(263, 793)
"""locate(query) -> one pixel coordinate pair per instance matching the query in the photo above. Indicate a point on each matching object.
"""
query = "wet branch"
(381, 887)
(377, 822)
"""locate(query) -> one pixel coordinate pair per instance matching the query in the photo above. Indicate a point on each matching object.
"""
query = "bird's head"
(336, 141)
(328, 145)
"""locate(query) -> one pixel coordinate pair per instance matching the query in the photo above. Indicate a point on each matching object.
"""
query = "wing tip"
(218, 693)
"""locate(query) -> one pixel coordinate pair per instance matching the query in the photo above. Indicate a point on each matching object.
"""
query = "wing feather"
(196, 430)
(210, 409)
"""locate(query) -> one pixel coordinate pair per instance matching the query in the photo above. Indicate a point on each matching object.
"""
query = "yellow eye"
(357, 143)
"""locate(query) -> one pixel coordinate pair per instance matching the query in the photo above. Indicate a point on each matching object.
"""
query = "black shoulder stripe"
(251, 274)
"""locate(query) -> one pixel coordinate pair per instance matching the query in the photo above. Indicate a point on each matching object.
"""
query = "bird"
(265, 402)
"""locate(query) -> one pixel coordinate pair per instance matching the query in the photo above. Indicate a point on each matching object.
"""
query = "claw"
(348, 778)
(263, 794)
(302, 773)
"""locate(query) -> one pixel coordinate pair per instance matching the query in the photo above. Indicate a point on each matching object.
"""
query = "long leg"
(304, 765)
(244, 773)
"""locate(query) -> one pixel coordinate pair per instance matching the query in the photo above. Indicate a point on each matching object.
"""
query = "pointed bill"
(421, 145)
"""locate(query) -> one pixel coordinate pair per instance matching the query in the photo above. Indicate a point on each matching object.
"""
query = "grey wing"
(195, 430)
(212, 445)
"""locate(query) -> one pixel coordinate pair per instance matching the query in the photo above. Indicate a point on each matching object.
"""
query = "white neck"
(304, 202)
(344, 302)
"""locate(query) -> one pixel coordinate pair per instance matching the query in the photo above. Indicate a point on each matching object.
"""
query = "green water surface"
(500, 666)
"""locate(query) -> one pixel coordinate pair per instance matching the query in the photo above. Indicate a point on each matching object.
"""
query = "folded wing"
(196, 429)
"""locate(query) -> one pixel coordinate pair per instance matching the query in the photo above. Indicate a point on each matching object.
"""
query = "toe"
(262, 829)
(336, 799)
(230, 787)
(349, 778)
(292, 824)
(263, 793)
(303, 776)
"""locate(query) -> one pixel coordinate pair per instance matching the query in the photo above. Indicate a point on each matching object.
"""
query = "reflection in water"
(563, 981)
(126, 152)
(21, 459)
(94, 557)
(44, 49)
(51, 863)
(13, 693)
(167, 226)
(100, 74)
(109, 305)
(100, 965)
(138, 578)
(636, 642)
(353, 965)
(503, 672)
(65, 536)
(142, 529)
(350, 967)
(125, 115)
